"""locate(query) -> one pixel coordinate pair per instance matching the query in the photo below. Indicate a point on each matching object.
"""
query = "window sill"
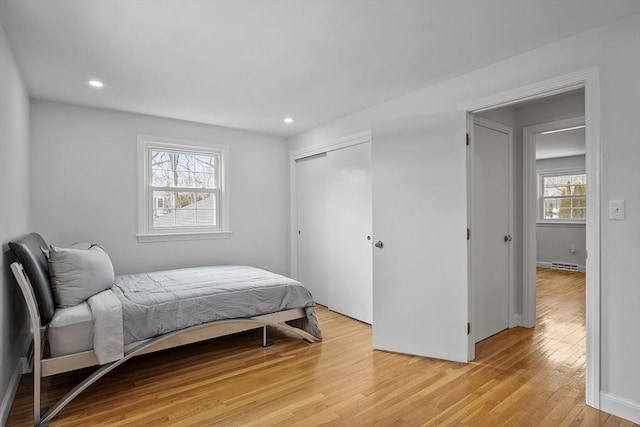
(567, 224)
(170, 237)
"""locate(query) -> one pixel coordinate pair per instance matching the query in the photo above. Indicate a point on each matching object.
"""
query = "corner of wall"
(15, 220)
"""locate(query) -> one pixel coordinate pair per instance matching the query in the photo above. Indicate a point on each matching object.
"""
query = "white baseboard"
(543, 264)
(516, 320)
(25, 365)
(21, 367)
(620, 407)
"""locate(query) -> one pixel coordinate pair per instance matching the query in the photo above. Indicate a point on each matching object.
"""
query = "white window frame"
(556, 172)
(146, 232)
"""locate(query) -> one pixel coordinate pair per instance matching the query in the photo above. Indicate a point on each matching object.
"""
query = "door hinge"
(468, 328)
(468, 234)
(467, 139)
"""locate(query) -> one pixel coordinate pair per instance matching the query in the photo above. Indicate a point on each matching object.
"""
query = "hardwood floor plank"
(521, 377)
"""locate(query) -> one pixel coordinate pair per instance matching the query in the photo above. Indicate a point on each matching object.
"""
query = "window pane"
(192, 179)
(564, 185)
(163, 214)
(206, 211)
(161, 178)
(161, 169)
(205, 163)
(185, 217)
(160, 160)
(580, 213)
(550, 209)
(170, 169)
(565, 208)
(165, 218)
(553, 191)
(564, 212)
(184, 209)
(205, 180)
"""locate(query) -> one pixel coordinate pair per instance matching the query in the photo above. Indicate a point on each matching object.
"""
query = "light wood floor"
(521, 377)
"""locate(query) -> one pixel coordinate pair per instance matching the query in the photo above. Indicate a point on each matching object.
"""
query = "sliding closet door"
(349, 230)
(311, 174)
(420, 286)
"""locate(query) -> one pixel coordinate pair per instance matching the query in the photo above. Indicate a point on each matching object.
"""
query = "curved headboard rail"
(38, 345)
(29, 250)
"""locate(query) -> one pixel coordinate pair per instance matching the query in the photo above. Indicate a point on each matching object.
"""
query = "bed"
(83, 315)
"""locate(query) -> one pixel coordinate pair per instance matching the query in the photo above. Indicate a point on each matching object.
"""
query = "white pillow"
(78, 274)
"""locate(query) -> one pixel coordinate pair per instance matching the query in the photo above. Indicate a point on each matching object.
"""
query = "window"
(182, 190)
(563, 196)
(159, 202)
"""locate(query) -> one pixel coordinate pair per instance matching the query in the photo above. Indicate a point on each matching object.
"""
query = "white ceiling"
(561, 144)
(247, 64)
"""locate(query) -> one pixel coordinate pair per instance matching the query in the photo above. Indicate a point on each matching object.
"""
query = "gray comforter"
(165, 301)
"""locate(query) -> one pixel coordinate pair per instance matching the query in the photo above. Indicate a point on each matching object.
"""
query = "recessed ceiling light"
(288, 120)
(96, 83)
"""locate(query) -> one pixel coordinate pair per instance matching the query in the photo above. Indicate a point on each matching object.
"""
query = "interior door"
(312, 225)
(490, 235)
(349, 230)
(420, 276)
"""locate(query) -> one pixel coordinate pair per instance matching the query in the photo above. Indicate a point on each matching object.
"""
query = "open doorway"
(556, 123)
(561, 199)
(580, 89)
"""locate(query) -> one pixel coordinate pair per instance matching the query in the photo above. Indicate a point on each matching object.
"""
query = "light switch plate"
(616, 209)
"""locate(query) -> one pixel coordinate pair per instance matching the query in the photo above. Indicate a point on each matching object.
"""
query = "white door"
(349, 230)
(312, 225)
(420, 276)
(490, 235)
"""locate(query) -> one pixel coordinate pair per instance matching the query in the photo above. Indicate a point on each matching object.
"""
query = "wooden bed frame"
(44, 367)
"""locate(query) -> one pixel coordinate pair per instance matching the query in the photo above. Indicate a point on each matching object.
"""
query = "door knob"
(379, 244)
(507, 238)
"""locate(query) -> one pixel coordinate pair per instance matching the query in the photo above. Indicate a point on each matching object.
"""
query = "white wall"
(615, 49)
(83, 172)
(554, 241)
(14, 219)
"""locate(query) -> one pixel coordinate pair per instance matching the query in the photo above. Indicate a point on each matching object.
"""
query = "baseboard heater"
(564, 266)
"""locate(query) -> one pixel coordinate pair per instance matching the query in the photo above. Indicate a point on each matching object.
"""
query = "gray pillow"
(77, 245)
(78, 274)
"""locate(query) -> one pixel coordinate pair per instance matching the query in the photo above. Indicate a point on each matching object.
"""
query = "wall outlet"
(616, 209)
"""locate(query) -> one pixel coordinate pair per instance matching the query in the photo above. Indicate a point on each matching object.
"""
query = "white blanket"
(108, 335)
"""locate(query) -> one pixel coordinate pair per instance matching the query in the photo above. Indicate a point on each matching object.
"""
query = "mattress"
(165, 301)
(71, 330)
